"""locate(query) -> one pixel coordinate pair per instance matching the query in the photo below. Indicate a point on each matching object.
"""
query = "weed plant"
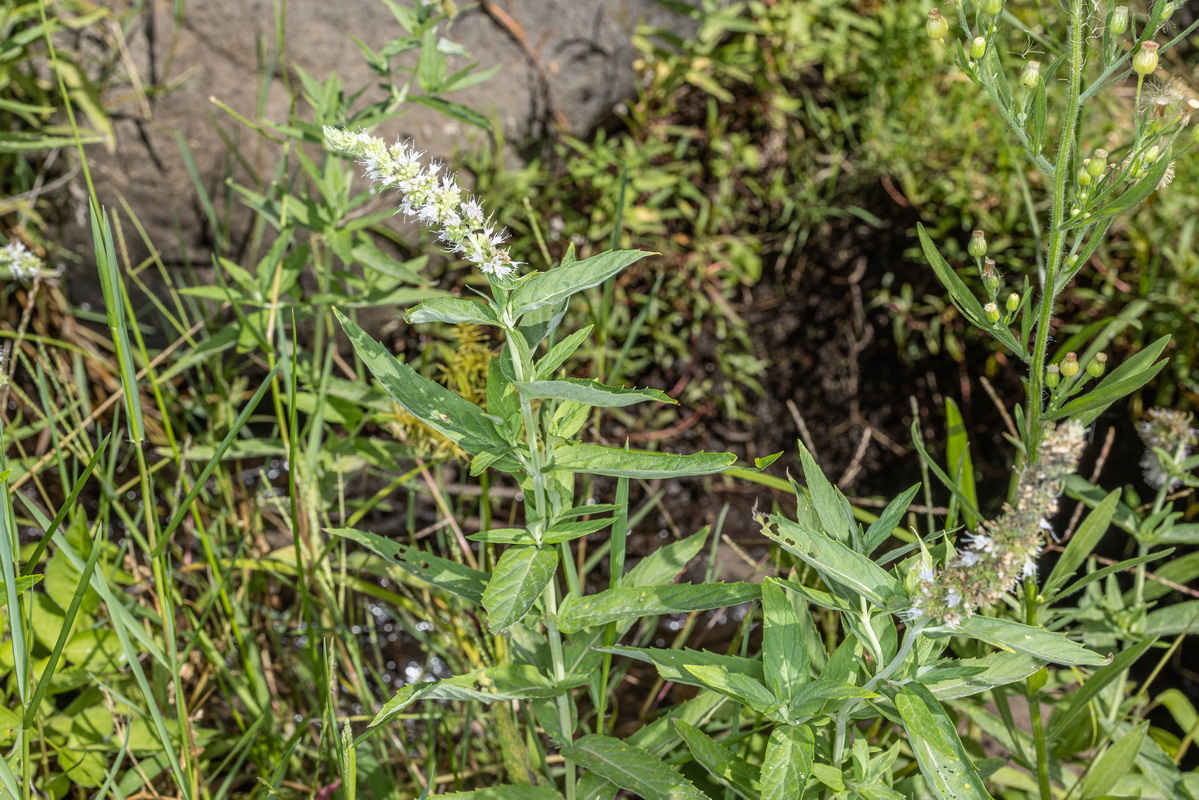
(246, 631)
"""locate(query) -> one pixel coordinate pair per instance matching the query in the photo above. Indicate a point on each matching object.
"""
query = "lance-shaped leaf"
(961, 295)
(488, 685)
(508, 792)
(558, 533)
(726, 768)
(598, 460)
(673, 665)
(978, 675)
(631, 768)
(548, 288)
(788, 762)
(1065, 715)
(517, 581)
(784, 653)
(558, 354)
(836, 563)
(939, 751)
(577, 613)
(591, 393)
(1120, 382)
(742, 688)
(1054, 647)
(459, 420)
(453, 310)
(449, 575)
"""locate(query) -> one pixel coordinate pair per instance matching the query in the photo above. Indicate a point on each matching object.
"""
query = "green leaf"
(459, 420)
(835, 562)
(1114, 764)
(506, 792)
(24, 584)
(451, 576)
(1064, 715)
(457, 111)
(784, 653)
(994, 669)
(616, 463)
(1054, 647)
(673, 665)
(834, 511)
(541, 289)
(888, 521)
(488, 685)
(558, 533)
(726, 768)
(577, 613)
(939, 752)
(957, 454)
(517, 581)
(1173, 620)
(453, 310)
(788, 762)
(742, 688)
(1120, 382)
(1081, 544)
(961, 295)
(592, 393)
(631, 768)
(558, 354)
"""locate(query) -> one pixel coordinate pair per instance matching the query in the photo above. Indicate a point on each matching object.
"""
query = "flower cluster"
(1169, 437)
(20, 261)
(1004, 550)
(435, 202)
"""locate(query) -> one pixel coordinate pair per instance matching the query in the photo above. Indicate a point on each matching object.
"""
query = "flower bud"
(1013, 303)
(1070, 365)
(1119, 20)
(1052, 376)
(978, 245)
(937, 26)
(1145, 61)
(1084, 174)
(1097, 163)
(1168, 9)
(990, 277)
(1152, 154)
(1097, 365)
(978, 48)
(992, 312)
(1031, 75)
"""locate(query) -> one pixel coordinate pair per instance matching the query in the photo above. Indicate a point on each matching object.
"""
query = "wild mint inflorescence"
(435, 202)
(21, 262)
(1003, 550)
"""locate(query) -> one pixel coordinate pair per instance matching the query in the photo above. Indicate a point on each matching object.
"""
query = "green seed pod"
(1030, 76)
(937, 26)
(1052, 376)
(978, 48)
(1097, 365)
(1013, 303)
(1070, 365)
(992, 312)
(978, 244)
(1097, 163)
(1145, 61)
(1119, 20)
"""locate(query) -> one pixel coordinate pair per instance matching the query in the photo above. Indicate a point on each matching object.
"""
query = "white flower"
(20, 261)
(1029, 570)
(968, 558)
(911, 614)
(927, 575)
(980, 541)
(953, 599)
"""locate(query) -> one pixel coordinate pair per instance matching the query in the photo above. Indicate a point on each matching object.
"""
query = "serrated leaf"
(726, 768)
(784, 653)
(451, 576)
(591, 393)
(1053, 647)
(516, 582)
(548, 288)
(577, 613)
(459, 420)
(835, 562)
(939, 752)
(453, 310)
(631, 768)
(598, 460)
(788, 762)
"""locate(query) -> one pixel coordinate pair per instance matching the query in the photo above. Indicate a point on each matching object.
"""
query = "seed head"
(937, 26)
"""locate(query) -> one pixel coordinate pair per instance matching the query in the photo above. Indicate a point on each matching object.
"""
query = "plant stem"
(1034, 419)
